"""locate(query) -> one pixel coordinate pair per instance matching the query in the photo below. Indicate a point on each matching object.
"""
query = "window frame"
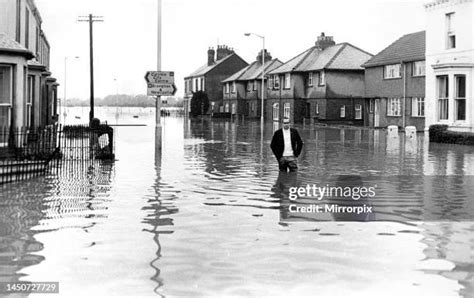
(234, 87)
(310, 79)
(418, 107)
(286, 110)
(390, 104)
(386, 71)
(287, 81)
(322, 78)
(358, 110)
(443, 101)
(276, 82)
(450, 32)
(458, 98)
(414, 68)
(342, 111)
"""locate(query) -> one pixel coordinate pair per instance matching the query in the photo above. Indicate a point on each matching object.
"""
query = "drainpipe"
(404, 93)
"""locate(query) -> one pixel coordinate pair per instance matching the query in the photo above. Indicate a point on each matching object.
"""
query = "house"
(450, 64)
(221, 64)
(395, 84)
(28, 92)
(243, 90)
(325, 83)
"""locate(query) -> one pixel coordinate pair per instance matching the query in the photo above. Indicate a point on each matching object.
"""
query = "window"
(29, 100)
(252, 106)
(371, 105)
(249, 86)
(443, 91)
(418, 107)
(310, 79)
(234, 88)
(394, 107)
(5, 100)
(460, 96)
(234, 109)
(270, 82)
(322, 79)
(276, 82)
(358, 112)
(202, 84)
(342, 112)
(226, 88)
(255, 85)
(195, 85)
(392, 71)
(286, 110)
(287, 81)
(317, 109)
(227, 108)
(450, 35)
(418, 69)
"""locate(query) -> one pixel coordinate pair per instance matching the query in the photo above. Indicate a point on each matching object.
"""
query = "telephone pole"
(91, 19)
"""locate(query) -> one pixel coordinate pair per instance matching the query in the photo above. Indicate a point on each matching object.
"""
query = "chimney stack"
(268, 57)
(324, 41)
(223, 51)
(210, 56)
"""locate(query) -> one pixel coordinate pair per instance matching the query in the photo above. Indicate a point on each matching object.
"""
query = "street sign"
(160, 77)
(161, 89)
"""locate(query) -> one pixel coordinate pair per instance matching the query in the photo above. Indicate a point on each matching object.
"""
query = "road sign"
(161, 89)
(160, 77)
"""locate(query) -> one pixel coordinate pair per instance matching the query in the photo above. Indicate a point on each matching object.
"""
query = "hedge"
(440, 134)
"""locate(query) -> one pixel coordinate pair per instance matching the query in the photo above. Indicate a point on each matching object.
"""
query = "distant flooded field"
(208, 215)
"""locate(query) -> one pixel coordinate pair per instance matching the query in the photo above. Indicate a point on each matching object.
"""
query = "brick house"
(243, 90)
(220, 65)
(28, 93)
(325, 83)
(395, 84)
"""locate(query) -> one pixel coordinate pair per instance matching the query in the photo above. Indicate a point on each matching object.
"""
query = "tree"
(199, 103)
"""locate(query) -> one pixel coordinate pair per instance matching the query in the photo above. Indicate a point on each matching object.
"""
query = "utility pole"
(91, 19)
(158, 65)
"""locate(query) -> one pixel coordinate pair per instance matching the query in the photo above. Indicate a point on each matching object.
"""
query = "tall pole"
(263, 79)
(64, 95)
(91, 19)
(158, 65)
(91, 53)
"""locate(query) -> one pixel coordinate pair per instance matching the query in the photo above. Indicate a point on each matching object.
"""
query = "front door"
(377, 113)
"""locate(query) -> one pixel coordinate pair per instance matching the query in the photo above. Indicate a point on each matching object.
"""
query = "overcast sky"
(125, 43)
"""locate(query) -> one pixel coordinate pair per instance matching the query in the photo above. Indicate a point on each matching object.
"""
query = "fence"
(27, 152)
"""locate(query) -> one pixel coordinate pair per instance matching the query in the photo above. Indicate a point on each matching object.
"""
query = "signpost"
(160, 83)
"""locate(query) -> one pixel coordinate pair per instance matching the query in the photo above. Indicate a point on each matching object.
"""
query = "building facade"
(450, 64)
(395, 84)
(221, 64)
(28, 94)
(243, 90)
(324, 83)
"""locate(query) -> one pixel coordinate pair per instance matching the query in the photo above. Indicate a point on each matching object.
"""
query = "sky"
(125, 44)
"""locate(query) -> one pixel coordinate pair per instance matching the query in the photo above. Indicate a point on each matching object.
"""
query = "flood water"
(205, 216)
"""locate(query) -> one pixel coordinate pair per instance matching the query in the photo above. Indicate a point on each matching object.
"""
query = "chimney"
(324, 41)
(223, 51)
(210, 56)
(268, 57)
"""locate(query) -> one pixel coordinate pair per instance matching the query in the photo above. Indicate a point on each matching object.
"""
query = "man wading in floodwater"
(286, 146)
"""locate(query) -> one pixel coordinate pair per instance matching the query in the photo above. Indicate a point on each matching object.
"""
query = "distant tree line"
(124, 100)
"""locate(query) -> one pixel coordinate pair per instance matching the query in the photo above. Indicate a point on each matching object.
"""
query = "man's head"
(286, 123)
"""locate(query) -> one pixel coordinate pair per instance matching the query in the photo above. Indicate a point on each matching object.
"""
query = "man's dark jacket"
(278, 143)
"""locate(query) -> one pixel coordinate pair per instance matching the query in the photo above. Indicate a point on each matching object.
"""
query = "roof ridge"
(357, 48)
(309, 51)
(343, 46)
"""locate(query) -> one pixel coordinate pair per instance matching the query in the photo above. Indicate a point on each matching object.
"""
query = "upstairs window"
(287, 80)
(255, 82)
(342, 112)
(450, 34)
(392, 71)
(310, 79)
(233, 87)
(358, 111)
(322, 78)
(226, 88)
(276, 82)
(418, 69)
(270, 82)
